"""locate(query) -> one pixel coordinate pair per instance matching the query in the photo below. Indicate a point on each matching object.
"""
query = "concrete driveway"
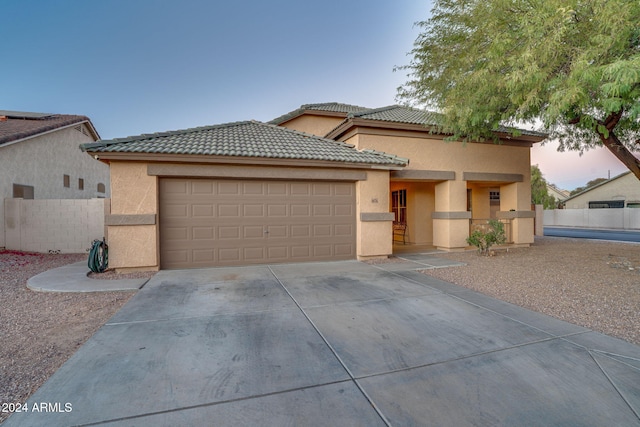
(336, 344)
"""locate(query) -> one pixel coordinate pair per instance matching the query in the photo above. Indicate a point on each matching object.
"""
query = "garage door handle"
(266, 231)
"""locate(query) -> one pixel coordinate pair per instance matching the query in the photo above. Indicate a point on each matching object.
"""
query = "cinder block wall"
(64, 226)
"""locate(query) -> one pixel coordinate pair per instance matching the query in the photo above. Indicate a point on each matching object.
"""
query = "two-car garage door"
(210, 222)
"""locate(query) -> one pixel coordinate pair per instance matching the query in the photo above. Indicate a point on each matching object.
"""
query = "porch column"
(451, 218)
(515, 205)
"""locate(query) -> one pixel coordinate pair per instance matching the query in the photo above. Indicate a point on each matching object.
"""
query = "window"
(101, 188)
(66, 181)
(80, 184)
(606, 204)
(633, 205)
(399, 205)
(494, 197)
(22, 191)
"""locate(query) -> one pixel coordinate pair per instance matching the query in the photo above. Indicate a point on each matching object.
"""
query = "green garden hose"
(99, 256)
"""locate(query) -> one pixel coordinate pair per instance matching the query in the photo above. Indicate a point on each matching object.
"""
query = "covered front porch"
(435, 211)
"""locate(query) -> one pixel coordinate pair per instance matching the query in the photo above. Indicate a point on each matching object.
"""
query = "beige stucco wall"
(42, 161)
(374, 238)
(626, 187)
(431, 153)
(134, 193)
(316, 125)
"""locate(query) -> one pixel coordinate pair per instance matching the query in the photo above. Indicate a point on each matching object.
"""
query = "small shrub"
(494, 235)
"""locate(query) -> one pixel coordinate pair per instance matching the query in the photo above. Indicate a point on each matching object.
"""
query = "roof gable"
(337, 108)
(245, 139)
(16, 126)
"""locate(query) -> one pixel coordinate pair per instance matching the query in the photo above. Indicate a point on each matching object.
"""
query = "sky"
(145, 66)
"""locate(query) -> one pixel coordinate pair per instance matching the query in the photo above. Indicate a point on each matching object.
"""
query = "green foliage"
(589, 184)
(539, 193)
(493, 234)
(573, 64)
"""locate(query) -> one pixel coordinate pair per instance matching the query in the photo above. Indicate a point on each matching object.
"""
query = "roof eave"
(262, 161)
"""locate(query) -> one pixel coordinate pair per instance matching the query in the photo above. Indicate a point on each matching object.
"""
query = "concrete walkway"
(73, 278)
(343, 343)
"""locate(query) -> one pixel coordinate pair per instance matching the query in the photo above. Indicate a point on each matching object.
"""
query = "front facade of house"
(324, 182)
(622, 191)
(447, 185)
(39, 159)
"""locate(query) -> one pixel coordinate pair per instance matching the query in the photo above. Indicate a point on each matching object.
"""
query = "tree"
(539, 193)
(573, 64)
(589, 184)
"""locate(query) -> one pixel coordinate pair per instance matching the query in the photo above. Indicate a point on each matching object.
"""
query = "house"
(39, 159)
(558, 193)
(323, 182)
(618, 192)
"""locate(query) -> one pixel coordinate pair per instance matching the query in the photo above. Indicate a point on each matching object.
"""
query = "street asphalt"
(336, 344)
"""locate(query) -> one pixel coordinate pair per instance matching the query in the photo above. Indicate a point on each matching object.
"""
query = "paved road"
(587, 233)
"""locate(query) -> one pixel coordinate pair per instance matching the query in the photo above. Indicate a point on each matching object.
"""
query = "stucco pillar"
(374, 221)
(132, 223)
(451, 218)
(515, 205)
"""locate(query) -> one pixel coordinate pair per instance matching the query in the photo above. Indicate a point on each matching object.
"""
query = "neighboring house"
(559, 194)
(324, 182)
(39, 159)
(618, 192)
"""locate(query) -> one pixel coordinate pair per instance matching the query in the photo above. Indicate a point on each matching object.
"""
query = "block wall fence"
(54, 225)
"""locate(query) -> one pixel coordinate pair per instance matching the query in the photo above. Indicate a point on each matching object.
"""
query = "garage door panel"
(232, 211)
(322, 251)
(300, 189)
(343, 210)
(277, 189)
(254, 254)
(176, 211)
(202, 211)
(253, 210)
(278, 231)
(229, 255)
(253, 232)
(300, 210)
(202, 233)
(206, 222)
(277, 211)
(300, 252)
(276, 253)
(322, 210)
(344, 231)
(228, 188)
(300, 230)
(202, 187)
(341, 189)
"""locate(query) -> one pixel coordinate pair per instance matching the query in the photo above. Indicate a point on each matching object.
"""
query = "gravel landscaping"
(39, 331)
(595, 284)
(589, 283)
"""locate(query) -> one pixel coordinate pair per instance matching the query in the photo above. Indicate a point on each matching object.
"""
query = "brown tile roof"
(15, 125)
(245, 139)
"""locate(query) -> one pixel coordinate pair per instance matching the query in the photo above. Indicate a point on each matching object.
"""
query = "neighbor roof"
(244, 139)
(17, 125)
(601, 184)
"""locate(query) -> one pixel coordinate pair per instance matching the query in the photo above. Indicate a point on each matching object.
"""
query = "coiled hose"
(99, 256)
